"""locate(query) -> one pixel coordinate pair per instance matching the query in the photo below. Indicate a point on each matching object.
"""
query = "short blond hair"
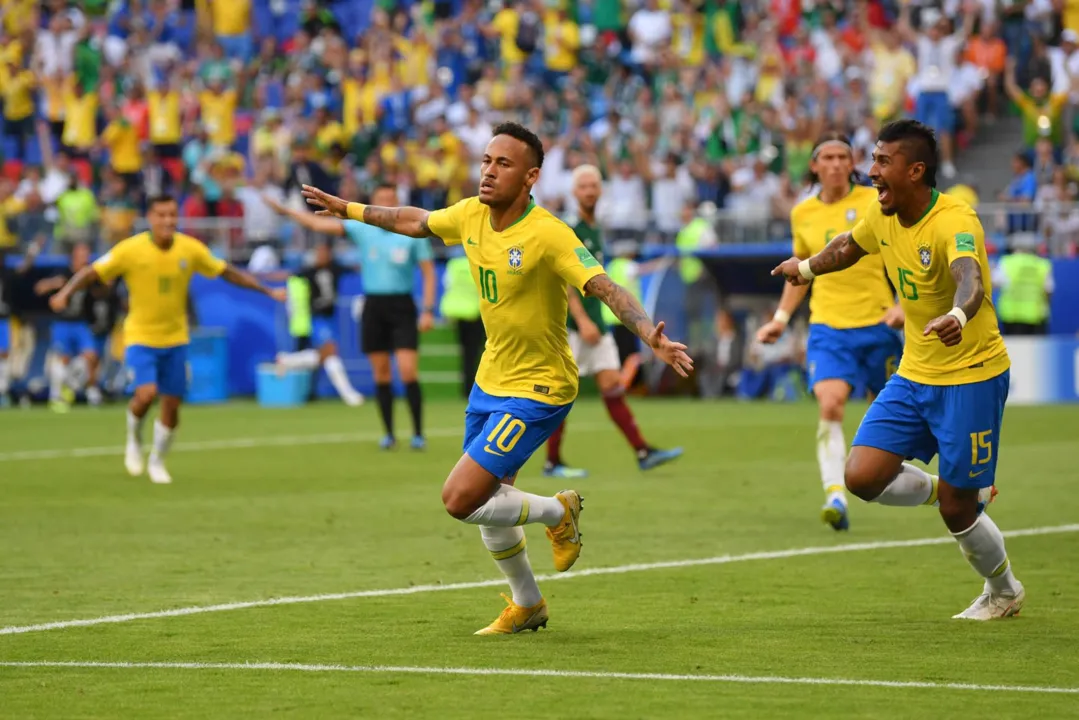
(583, 170)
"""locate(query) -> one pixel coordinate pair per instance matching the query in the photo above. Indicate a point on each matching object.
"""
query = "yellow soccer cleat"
(566, 536)
(515, 619)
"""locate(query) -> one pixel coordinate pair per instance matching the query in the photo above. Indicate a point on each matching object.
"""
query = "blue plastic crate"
(208, 366)
(281, 388)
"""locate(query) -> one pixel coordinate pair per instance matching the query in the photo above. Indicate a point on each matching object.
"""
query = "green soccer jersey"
(592, 238)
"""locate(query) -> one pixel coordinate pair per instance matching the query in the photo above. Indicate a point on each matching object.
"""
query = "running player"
(389, 323)
(156, 267)
(323, 280)
(948, 395)
(8, 279)
(593, 345)
(522, 259)
(852, 342)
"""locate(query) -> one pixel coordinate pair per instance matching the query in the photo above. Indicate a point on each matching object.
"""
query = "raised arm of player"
(411, 221)
(792, 297)
(315, 223)
(839, 254)
(629, 311)
(969, 293)
(83, 278)
(245, 280)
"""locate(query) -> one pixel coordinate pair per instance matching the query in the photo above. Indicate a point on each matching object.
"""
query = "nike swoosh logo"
(884, 243)
(518, 628)
(976, 474)
(469, 242)
(487, 448)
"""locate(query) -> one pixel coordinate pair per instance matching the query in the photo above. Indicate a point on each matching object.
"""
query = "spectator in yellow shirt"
(166, 123)
(218, 107)
(561, 39)
(80, 121)
(18, 95)
(232, 27)
(122, 140)
(506, 25)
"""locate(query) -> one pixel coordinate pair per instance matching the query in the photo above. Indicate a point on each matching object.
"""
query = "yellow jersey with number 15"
(858, 296)
(157, 284)
(522, 273)
(918, 259)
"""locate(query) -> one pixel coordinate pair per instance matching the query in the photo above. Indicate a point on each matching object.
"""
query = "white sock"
(832, 457)
(134, 428)
(57, 376)
(912, 486)
(302, 360)
(507, 547)
(335, 369)
(162, 441)
(509, 507)
(983, 547)
(5, 377)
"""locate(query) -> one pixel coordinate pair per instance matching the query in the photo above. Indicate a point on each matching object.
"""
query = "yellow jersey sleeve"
(113, 263)
(961, 236)
(864, 233)
(204, 261)
(447, 223)
(569, 258)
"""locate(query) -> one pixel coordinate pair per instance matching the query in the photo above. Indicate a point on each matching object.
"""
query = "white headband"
(831, 143)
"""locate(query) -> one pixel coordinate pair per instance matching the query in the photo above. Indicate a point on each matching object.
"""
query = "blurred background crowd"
(702, 114)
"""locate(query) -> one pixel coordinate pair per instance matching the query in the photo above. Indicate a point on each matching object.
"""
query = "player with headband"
(852, 343)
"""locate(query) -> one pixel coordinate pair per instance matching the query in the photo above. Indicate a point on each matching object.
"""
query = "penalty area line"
(526, 672)
(587, 572)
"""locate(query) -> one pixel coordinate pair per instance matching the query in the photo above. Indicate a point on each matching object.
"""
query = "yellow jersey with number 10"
(522, 273)
(919, 261)
(858, 296)
(157, 284)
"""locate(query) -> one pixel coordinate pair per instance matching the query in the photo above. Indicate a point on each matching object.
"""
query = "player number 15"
(980, 441)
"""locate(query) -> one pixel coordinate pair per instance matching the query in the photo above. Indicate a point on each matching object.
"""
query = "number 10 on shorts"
(508, 431)
(981, 447)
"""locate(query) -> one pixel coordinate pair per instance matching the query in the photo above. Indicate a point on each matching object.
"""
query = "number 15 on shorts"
(981, 451)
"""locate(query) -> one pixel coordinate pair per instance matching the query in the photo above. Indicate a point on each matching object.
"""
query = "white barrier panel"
(1045, 370)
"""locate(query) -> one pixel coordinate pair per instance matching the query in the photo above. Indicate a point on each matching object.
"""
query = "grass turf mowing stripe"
(526, 672)
(615, 570)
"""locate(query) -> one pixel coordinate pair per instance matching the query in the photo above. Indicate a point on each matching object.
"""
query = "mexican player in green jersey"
(593, 345)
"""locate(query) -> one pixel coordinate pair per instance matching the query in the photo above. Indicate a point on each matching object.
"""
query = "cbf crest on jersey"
(516, 258)
(925, 255)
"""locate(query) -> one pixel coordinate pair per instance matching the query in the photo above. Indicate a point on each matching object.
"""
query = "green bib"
(299, 307)
(1023, 299)
(460, 300)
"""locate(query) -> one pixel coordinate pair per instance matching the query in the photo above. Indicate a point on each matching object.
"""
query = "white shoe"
(988, 606)
(353, 400)
(133, 460)
(94, 396)
(158, 474)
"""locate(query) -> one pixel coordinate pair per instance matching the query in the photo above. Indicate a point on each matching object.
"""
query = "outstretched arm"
(411, 221)
(633, 316)
(239, 278)
(841, 253)
(83, 278)
(969, 293)
(315, 223)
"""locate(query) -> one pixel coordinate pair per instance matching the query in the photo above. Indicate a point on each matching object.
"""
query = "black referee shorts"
(389, 323)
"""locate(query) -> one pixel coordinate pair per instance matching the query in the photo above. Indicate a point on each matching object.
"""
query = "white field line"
(588, 572)
(527, 672)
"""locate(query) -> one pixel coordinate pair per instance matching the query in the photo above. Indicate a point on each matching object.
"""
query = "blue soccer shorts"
(501, 433)
(323, 331)
(164, 367)
(5, 335)
(72, 338)
(961, 423)
(861, 357)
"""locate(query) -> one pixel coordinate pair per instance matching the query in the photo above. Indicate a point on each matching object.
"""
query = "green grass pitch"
(799, 621)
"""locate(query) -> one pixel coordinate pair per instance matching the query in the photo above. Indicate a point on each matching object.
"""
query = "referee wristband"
(959, 315)
(782, 316)
(355, 211)
(803, 268)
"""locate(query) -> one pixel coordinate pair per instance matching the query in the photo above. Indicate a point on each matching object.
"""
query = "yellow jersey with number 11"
(157, 284)
(522, 273)
(858, 296)
(918, 259)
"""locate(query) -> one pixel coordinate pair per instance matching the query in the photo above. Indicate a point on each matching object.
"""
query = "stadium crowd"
(679, 102)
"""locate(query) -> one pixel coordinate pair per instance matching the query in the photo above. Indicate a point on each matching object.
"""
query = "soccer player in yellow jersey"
(522, 258)
(947, 398)
(157, 267)
(852, 342)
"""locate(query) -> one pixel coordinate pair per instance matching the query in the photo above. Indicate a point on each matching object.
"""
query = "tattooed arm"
(839, 254)
(623, 304)
(411, 221)
(633, 316)
(969, 294)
